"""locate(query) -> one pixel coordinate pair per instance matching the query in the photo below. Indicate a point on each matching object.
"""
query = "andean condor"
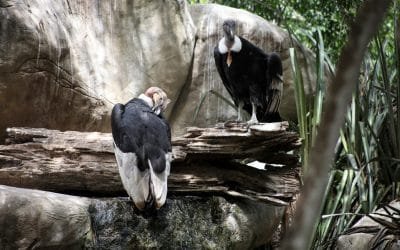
(142, 147)
(252, 77)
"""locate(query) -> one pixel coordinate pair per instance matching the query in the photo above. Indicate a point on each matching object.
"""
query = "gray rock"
(31, 219)
(185, 223)
(63, 64)
(366, 229)
(39, 219)
(208, 19)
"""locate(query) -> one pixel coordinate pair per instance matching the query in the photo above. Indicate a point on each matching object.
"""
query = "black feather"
(137, 129)
(249, 79)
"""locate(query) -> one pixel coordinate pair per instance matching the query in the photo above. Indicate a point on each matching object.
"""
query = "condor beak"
(157, 103)
(157, 109)
(160, 103)
(279, 77)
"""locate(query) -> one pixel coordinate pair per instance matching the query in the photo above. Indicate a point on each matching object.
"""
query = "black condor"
(142, 146)
(252, 77)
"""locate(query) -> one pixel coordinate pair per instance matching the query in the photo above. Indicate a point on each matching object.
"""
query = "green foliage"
(301, 108)
(309, 111)
(366, 169)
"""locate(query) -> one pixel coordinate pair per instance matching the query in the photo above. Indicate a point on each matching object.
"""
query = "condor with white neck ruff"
(142, 146)
(252, 77)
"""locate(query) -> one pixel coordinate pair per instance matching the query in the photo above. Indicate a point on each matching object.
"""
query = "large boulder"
(33, 219)
(370, 233)
(208, 19)
(64, 63)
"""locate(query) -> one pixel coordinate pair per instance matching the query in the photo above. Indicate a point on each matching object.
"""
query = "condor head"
(229, 28)
(159, 98)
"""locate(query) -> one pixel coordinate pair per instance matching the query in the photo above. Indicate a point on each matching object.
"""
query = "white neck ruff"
(147, 100)
(236, 47)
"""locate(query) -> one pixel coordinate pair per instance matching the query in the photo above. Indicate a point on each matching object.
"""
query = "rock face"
(32, 219)
(63, 64)
(185, 223)
(208, 19)
(367, 233)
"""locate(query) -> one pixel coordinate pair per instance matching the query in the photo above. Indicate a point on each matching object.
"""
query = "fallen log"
(83, 162)
(236, 141)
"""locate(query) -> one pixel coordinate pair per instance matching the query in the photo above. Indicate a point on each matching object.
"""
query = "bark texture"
(84, 163)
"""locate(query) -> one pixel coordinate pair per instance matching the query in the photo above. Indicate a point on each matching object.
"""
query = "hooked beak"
(160, 104)
(157, 103)
(157, 110)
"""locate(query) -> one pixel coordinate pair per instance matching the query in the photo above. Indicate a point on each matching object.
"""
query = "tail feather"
(158, 184)
(155, 156)
(271, 112)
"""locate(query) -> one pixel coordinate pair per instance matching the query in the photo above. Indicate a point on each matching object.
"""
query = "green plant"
(309, 110)
(364, 172)
(366, 169)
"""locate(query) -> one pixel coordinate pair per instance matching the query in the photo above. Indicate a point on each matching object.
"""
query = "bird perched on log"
(252, 77)
(142, 147)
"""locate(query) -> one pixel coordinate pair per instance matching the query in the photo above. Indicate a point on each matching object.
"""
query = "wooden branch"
(84, 163)
(366, 24)
(234, 179)
(238, 141)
